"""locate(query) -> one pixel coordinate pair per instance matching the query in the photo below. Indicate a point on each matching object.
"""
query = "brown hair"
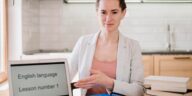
(122, 4)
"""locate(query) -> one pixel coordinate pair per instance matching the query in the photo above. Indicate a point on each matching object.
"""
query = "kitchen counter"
(66, 55)
(168, 53)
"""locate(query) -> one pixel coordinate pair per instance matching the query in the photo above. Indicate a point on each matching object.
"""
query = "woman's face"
(110, 15)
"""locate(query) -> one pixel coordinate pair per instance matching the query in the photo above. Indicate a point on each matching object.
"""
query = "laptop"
(48, 77)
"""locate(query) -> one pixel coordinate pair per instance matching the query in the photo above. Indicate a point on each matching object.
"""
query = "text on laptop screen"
(43, 79)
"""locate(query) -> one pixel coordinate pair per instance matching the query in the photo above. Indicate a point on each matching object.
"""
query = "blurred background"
(35, 29)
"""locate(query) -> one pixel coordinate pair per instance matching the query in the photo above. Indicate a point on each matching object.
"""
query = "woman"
(107, 61)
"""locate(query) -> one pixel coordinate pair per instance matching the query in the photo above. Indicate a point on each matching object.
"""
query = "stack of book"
(168, 86)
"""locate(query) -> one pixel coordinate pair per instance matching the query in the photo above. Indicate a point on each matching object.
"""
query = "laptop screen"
(39, 79)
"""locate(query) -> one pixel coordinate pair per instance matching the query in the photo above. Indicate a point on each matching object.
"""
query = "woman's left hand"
(97, 78)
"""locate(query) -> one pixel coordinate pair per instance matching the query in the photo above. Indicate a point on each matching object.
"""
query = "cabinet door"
(148, 65)
(173, 65)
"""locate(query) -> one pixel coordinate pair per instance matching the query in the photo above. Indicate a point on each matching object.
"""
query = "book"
(164, 93)
(171, 88)
(168, 83)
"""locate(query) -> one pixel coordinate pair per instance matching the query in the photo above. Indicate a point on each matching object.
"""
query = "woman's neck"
(109, 37)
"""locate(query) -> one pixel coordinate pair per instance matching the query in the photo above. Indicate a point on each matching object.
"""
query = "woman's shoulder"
(130, 40)
(88, 36)
(132, 44)
(85, 39)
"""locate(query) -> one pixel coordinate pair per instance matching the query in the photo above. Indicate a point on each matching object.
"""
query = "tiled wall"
(67, 24)
(153, 24)
(149, 23)
(51, 18)
(78, 20)
(30, 25)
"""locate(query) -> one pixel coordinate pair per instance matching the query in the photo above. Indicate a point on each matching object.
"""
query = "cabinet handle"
(182, 58)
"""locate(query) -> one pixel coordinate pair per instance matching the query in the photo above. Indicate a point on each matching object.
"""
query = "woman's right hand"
(97, 78)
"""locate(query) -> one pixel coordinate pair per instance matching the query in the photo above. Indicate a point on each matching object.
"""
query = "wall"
(31, 25)
(1, 7)
(150, 23)
(62, 24)
(15, 30)
(51, 19)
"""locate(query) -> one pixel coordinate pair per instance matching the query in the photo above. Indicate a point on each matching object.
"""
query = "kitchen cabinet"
(148, 62)
(173, 65)
(168, 65)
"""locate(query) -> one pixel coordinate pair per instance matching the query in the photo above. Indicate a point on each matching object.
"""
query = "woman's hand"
(97, 78)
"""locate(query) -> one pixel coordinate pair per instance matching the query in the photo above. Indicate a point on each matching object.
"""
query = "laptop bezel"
(24, 62)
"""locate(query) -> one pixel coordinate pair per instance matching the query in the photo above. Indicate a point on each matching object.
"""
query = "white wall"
(51, 19)
(1, 55)
(62, 24)
(31, 25)
(15, 30)
(59, 25)
(148, 23)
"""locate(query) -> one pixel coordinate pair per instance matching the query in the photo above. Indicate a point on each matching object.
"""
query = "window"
(3, 40)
